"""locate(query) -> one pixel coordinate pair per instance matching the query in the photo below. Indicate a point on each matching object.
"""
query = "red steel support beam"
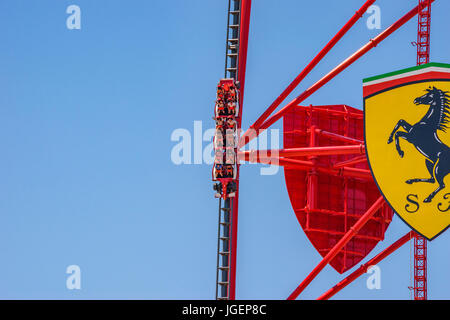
(304, 165)
(338, 247)
(330, 111)
(312, 175)
(308, 165)
(256, 130)
(305, 152)
(363, 268)
(338, 137)
(349, 162)
(246, 6)
(313, 63)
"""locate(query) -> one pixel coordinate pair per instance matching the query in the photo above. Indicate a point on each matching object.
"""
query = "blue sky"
(85, 123)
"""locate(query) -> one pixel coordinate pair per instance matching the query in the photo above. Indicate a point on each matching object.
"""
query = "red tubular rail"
(246, 6)
(338, 137)
(256, 130)
(330, 111)
(313, 63)
(363, 268)
(338, 247)
(308, 165)
(350, 162)
(305, 152)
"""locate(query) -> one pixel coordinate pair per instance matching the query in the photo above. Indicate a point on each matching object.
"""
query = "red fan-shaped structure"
(329, 197)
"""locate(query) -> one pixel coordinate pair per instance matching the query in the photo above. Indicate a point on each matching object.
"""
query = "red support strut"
(243, 45)
(338, 247)
(363, 269)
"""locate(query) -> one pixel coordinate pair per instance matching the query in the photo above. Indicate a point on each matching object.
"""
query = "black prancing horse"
(423, 135)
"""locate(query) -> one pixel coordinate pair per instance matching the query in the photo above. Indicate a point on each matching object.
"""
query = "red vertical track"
(420, 243)
(242, 63)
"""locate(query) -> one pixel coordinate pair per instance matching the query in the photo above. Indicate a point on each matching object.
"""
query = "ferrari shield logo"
(407, 133)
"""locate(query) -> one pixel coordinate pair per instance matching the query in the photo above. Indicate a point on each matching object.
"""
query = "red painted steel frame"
(309, 151)
(333, 252)
(264, 122)
(338, 247)
(251, 134)
(363, 268)
(326, 200)
(308, 165)
(242, 63)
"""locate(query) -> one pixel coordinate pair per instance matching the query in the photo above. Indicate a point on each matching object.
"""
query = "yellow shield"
(407, 133)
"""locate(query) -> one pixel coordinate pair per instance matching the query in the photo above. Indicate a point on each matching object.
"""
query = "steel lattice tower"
(420, 243)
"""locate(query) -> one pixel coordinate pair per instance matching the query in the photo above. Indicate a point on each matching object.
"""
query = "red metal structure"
(332, 192)
(420, 243)
(330, 186)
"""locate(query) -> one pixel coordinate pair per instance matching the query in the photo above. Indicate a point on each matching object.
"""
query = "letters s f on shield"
(407, 133)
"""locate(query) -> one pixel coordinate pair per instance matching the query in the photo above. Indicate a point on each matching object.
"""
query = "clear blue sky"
(85, 122)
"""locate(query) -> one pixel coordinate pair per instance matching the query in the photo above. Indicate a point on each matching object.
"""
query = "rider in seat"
(229, 171)
(220, 122)
(220, 92)
(231, 108)
(218, 171)
(231, 123)
(218, 139)
(230, 156)
(220, 108)
(230, 139)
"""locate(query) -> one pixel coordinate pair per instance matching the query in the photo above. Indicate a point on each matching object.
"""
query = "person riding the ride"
(231, 123)
(218, 138)
(221, 108)
(220, 92)
(230, 138)
(229, 170)
(231, 108)
(218, 156)
(220, 122)
(232, 94)
(219, 172)
(230, 156)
